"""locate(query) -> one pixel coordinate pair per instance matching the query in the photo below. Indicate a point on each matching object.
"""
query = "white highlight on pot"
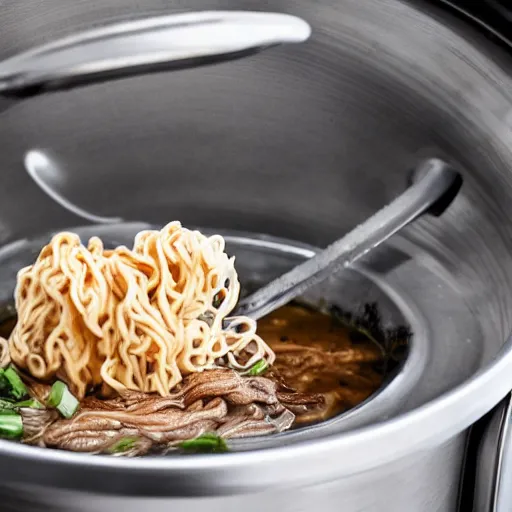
(46, 174)
(149, 42)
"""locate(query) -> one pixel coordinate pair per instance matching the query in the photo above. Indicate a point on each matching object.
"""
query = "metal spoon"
(435, 184)
(145, 46)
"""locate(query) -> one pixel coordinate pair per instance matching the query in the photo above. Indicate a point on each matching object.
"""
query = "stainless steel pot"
(298, 144)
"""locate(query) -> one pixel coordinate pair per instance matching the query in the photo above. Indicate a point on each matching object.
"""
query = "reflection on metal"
(46, 173)
(503, 491)
(145, 46)
(487, 463)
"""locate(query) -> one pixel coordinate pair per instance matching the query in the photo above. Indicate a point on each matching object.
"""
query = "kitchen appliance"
(283, 152)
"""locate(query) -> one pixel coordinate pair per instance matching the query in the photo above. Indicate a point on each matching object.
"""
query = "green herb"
(207, 443)
(123, 445)
(63, 400)
(6, 404)
(31, 403)
(11, 383)
(8, 412)
(11, 425)
(258, 368)
(4, 384)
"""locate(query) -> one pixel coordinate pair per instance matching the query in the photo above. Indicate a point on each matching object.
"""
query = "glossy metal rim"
(484, 469)
(312, 461)
(501, 456)
(469, 16)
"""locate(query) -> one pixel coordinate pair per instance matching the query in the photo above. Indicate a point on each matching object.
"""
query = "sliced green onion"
(11, 425)
(207, 443)
(63, 400)
(8, 412)
(31, 403)
(11, 405)
(15, 386)
(56, 393)
(258, 368)
(5, 403)
(123, 445)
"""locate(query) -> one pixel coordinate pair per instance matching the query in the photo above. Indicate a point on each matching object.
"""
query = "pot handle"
(144, 46)
(487, 485)
(503, 491)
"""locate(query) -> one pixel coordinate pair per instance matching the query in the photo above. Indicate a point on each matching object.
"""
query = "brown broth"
(315, 354)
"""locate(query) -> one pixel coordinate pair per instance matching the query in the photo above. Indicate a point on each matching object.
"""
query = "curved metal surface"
(488, 476)
(49, 177)
(490, 459)
(503, 490)
(423, 481)
(487, 15)
(292, 143)
(145, 46)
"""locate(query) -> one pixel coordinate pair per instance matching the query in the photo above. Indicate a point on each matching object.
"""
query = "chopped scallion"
(8, 412)
(11, 405)
(31, 403)
(258, 368)
(123, 445)
(11, 425)
(56, 393)
(63, 400)
(207, 443)
(5, 403)
(12, 383)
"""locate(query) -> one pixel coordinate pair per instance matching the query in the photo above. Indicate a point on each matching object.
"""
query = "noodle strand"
(135, 319)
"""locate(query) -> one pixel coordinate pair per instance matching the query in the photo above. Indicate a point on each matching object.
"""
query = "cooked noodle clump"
(136, 319)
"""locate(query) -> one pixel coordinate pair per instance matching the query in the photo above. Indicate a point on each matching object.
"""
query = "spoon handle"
(146, 45)
(434, 179)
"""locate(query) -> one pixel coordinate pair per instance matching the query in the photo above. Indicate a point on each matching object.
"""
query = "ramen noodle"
(134, 319)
